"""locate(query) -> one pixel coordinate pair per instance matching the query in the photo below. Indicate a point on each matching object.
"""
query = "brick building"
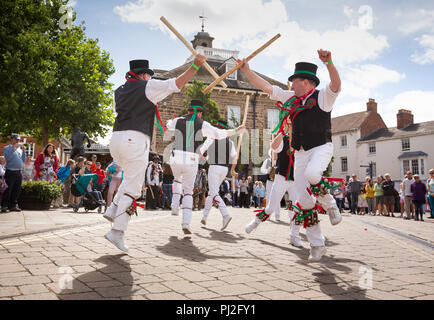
(263, 113)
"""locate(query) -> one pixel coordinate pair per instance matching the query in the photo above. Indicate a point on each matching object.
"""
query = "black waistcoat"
(195, 134)
(134, 110)
(283, 160)
(311, 127)
(219, 153)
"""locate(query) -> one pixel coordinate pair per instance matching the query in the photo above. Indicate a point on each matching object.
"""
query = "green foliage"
(52, 79)
(329, 168)
(195, 92)
(46, 191)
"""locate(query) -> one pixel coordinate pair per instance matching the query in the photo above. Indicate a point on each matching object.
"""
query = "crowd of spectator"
(379, 197)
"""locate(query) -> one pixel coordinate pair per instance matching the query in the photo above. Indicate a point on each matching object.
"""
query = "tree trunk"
(44, 134)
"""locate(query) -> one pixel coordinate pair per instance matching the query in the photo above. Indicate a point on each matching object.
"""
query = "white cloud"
(417, 21)
(421, 104)
(426, 41)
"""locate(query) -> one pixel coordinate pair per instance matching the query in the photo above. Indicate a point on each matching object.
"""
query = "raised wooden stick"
(234, 162)
(189, 47)
(239, 65)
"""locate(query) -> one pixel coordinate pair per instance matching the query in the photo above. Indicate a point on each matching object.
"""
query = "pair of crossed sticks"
(219, 80)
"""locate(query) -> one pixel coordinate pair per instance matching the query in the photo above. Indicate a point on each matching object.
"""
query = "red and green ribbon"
(291, 108)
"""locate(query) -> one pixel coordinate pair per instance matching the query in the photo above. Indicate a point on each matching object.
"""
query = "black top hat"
(222, 124)
(196, 103)
(15, 136)
(138, 66)
(305, 70)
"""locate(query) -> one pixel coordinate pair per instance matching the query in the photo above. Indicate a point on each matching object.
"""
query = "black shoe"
(4, 209)
(431, 217)
(421, 219)
(416, 219)
(16, 209)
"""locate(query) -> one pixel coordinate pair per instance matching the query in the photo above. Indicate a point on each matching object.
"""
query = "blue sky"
(383, 49)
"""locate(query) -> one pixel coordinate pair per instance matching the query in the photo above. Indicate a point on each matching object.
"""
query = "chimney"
(404, 118)
(371, 105)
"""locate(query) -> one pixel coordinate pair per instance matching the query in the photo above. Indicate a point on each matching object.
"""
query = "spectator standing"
(244, 185)
(101, 176)
(153, 182)
(28, 169)
(167, 186)
(389, 196)
(88, 167)
(46, 164)
(370, 196)
(362, 204)
(260, 194)
(355, 187)
(224, 191)
(401, 199)
(406, 191)
(93, 165)
(379, 196)
(200, 189)
(235, 192)
(249, 191)
(418, 191)
(3, 185)
(64, 172)
(430, 191)
(15, 156)
(339, 196)
(348, 193)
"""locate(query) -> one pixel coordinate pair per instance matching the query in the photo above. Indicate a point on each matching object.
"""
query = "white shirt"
(326, 97)
(208, 142)
(208, 130)
(266, 166)
(157, 90)
(406, 187)
(152, 181)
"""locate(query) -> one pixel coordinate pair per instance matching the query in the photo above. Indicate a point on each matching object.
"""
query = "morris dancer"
(269, 169)
(283, 182)
(310, 113)
(221, 154)
(189, 132)
(135, 103)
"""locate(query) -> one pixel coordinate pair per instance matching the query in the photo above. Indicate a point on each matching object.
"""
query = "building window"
(405, 143)
(343, 141)
(374, 169)
(422, 167)
(415, 166)
(372, 148)
(234, 116)
(273, 118)
(406, 166)
(30, 149)
(229, 66)
(344, 164)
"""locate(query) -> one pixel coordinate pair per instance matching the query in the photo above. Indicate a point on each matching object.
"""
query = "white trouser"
(268, 187)
(309, 167)
(184, 167)
(130, 150)
(216, 175)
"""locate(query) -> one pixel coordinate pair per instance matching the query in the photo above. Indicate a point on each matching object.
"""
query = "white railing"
(226, 54)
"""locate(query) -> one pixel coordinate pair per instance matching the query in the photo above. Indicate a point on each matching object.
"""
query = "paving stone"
(8, 292)
(234, 289)
(33, 289)
(38, 296)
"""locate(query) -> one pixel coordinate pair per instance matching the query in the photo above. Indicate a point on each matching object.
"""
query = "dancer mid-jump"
(310, 112)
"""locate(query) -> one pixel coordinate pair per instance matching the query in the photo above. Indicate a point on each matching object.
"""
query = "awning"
(413, 154)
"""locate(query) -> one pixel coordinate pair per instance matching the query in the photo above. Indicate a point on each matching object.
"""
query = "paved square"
(367, 258)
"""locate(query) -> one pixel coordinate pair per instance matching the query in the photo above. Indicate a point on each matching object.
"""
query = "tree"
(328, 171)
(52, 78)
(195, 92)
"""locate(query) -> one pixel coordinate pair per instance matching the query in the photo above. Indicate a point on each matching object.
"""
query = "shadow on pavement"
(115, 269)
(327, 280)
(185, 249)
(223, 236)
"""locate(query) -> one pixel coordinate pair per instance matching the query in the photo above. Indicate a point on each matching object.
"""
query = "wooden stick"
(241, 138)
(189, 47)
(239, 65)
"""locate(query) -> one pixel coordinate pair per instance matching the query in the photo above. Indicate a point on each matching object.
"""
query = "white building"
(361, 138)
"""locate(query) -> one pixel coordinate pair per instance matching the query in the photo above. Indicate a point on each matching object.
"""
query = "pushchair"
(79, 188)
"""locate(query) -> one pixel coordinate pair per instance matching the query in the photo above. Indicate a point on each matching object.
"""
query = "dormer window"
(229, 66)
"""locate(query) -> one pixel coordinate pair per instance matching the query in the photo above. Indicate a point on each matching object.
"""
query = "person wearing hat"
(15, 156)
(220, 155)
(135, 103)
(309, 110)
(189, 132)
(283, 182)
